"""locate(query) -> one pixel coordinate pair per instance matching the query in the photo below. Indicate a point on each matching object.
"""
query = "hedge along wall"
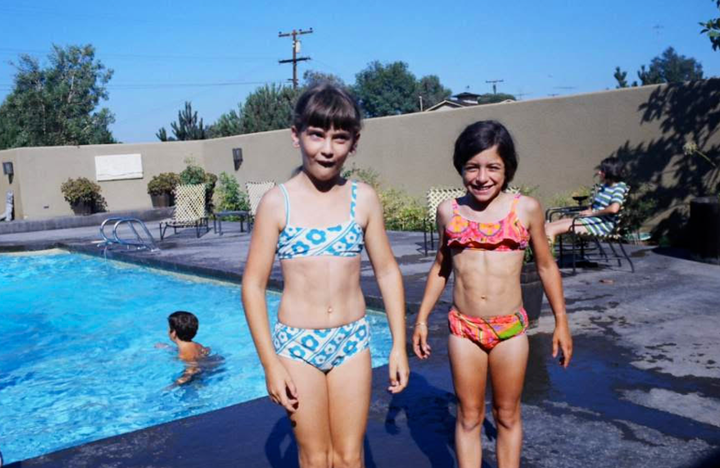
(559, 140)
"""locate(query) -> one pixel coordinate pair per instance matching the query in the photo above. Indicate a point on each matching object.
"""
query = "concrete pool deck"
(643, 388)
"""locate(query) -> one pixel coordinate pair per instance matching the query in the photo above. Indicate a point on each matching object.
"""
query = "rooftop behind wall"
(559, 142)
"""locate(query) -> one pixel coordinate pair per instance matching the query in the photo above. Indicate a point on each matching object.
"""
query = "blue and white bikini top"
(343, 240)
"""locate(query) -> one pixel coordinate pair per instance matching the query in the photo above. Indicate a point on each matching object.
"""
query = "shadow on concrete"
(684, 112)
(282, 451)
(429, 419)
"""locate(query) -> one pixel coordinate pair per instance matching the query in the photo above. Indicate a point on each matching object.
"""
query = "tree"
(269, 108)
(57, 105)
(712, 29)
(494, 98)
(312, 77)
(666, 68)
(187, 127)
(386, 89)
(228, 124)
(432, 91)
(621, 77)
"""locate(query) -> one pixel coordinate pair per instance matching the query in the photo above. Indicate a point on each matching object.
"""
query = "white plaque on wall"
(118, 167)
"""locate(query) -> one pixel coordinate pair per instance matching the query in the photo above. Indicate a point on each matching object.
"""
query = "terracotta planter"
(82, 208)
(532, 292)
(160, 201)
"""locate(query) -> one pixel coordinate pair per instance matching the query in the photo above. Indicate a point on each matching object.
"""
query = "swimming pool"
(77, 350)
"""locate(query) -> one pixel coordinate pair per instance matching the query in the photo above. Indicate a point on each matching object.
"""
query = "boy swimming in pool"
(182, 329)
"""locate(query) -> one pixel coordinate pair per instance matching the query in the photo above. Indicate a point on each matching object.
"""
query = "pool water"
(78, 355)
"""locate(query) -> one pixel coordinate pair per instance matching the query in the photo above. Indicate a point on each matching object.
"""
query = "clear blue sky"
(162, 51)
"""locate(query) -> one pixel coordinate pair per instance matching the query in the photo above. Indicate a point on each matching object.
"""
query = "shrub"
(84, 190)
(402, 211)
(163, 183)
(230, 197)
(195, 175)
(565, 198)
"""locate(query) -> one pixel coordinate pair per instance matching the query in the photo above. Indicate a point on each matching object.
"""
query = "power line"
(295, 50)
(494, 82)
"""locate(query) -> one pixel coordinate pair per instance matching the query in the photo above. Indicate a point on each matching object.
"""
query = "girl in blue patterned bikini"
(317, 359)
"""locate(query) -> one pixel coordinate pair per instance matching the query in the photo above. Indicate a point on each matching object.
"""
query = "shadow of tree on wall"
(684, 112)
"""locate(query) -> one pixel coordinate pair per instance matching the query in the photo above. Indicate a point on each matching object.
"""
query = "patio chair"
(255, 191)
(189, 210)
(590, 246)
(435, 196)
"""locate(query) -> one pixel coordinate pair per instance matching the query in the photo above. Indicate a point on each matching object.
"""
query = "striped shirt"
(606, 195)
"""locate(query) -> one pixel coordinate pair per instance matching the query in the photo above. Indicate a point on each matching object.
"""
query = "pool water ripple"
(78, 360)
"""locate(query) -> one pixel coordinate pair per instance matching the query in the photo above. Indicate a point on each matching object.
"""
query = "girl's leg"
(562, 226)
(469, 366)
(311, 422)
(349, 397)
(508, 361)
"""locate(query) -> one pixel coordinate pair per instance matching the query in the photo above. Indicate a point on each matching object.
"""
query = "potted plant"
(194, 175)
(83, 195)
(161, 189)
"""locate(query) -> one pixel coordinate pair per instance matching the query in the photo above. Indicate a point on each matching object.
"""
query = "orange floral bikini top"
(507, 235)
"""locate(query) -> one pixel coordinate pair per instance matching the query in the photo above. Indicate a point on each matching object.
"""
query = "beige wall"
(41, 171)
(559, 140)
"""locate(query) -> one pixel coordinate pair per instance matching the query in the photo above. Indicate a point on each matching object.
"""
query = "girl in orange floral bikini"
(487, 321)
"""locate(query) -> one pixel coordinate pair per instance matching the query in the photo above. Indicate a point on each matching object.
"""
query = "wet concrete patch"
(692, 405)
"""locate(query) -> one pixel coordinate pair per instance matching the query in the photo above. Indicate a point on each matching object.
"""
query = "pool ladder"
(139, 242)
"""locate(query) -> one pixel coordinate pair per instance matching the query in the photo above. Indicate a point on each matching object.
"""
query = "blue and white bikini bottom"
(322, 348)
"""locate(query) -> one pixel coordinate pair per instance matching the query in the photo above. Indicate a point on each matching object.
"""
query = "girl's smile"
(484, 175)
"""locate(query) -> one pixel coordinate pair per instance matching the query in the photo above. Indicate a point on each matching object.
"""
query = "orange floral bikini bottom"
(487, 332)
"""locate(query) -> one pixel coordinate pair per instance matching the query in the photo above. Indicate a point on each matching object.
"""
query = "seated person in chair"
(600, 219)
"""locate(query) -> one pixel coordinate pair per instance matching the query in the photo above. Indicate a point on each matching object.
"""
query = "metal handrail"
(147, 243)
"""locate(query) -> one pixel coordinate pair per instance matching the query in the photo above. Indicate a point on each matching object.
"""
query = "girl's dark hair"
(483, 135)
(185, 324)
(327, 105)
(613, 168)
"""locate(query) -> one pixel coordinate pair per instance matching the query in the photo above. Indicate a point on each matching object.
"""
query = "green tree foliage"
(669, 67)
(712, 29)
(269, 108)
(58, 104)
(188, 127)
(227, 124)
(312, 77)
(432, 91)
(493, 98)
(386, 89)
(621, 78)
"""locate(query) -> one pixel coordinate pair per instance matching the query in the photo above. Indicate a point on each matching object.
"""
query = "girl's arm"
(551, 280)
(390, 282)
(611, 209)
(434, 286)
(261, 255)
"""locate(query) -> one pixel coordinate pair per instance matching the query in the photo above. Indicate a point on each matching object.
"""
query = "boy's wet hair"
(481, 136)
(613, 168)
(326, 105)
(184, 324)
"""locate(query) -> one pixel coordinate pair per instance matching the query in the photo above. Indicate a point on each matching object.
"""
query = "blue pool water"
(78, 360)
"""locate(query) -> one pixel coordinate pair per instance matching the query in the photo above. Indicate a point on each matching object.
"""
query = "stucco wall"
(41, 171)
(559, 140)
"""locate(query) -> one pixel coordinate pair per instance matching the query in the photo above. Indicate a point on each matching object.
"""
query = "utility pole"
(296, 50)
(494, 84)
